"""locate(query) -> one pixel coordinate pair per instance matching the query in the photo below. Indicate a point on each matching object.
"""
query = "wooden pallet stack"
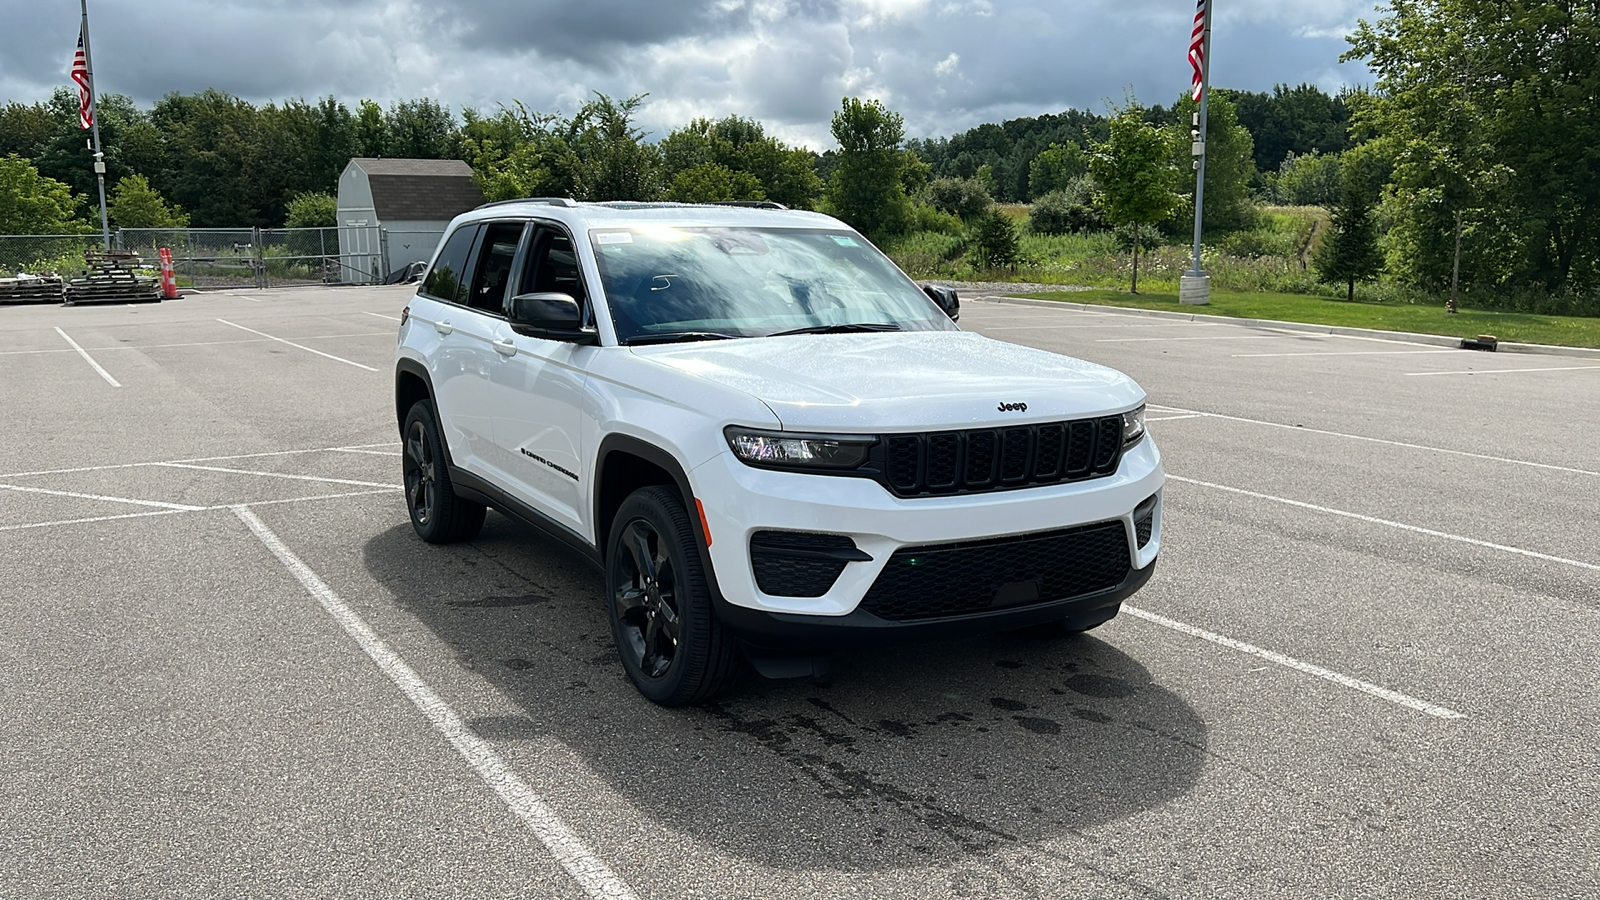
(28, 289)
(112, 279)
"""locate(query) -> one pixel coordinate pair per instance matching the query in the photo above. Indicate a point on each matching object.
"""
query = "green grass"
(1569, 331)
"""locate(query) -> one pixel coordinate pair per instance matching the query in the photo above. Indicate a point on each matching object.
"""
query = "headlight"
(1132, 427)
(780, 450)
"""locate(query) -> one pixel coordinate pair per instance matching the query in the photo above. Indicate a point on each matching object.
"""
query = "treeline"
(216, 160)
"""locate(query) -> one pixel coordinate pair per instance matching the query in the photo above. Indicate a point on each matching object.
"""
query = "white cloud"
(945, 65)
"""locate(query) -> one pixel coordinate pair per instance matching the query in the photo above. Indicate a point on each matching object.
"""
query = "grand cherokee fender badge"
(1013, 407)
(537, 458)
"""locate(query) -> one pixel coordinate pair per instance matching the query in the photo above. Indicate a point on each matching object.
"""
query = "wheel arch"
(411, 384)
(625, 464)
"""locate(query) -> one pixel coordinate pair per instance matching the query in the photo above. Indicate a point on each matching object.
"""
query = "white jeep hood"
(903, 380)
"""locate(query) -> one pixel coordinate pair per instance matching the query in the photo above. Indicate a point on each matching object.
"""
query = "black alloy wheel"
(672, 646)
(437, 514)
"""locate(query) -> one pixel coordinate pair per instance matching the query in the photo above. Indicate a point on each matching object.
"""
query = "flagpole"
(1195, 285)
(94, 123)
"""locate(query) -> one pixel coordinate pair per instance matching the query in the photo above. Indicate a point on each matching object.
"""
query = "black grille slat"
(961, 579)
(1080, 447)
(904, 462)
(983, 451)
(1051, 447)
(1016, 454)
(944, 460)
(984, 459)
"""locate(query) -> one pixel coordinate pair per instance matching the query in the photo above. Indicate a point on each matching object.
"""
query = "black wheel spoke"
(638, 541)
(630, 604)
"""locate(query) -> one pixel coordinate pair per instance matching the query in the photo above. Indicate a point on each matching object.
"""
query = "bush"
(927, 218)
(967, 198)
(994, 241)
(1066, 211)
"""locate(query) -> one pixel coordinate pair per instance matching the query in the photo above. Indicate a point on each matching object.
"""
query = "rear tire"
(672, 645)
(437, 514)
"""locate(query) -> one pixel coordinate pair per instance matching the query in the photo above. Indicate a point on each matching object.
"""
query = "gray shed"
(392, 212)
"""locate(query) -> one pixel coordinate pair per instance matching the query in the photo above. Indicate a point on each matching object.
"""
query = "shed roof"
(420, 189)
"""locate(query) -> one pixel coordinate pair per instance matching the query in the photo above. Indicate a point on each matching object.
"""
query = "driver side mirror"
(551, 316)
(945, 296)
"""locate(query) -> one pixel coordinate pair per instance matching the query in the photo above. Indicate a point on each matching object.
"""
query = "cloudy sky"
(945, 65)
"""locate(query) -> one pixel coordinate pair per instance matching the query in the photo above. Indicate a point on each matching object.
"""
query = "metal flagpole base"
(1194, 290)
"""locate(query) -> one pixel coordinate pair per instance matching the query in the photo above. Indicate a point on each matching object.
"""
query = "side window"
(444, 279)
(496, 252)
(552, 266)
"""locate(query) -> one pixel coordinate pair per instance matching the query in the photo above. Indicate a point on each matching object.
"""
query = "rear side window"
(496, 252)
(444, 279)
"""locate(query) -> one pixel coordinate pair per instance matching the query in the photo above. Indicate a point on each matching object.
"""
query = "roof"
(580, 215)
(420, 190)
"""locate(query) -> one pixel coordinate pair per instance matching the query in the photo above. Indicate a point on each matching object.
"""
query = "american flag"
(80, 74)
(1197, 49)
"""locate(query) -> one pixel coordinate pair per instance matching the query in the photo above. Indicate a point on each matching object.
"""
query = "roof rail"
(567, 202)
(750, 204)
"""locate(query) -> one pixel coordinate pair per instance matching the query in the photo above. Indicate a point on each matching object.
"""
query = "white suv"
(767, 437)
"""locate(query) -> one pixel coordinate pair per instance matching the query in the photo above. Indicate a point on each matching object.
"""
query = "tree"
(33, 204)
(1230, 164)
(1488, 113)
(1309, 180)
(994, 240)
(713, 182)
(967, 198)
(135, 204)
(615, 162)
(1055, 168)
(1349, 250)
(1069, 210)
(372, 131)
(1137, 176)
(866, 189)
(312, 209)
(420, 129)
(742, 147)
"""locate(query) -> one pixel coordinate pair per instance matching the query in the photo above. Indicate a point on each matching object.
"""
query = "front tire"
(437, 514)
(673, 648)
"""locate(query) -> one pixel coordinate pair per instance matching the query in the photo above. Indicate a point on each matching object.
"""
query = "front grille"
(987, 459)
(959, 579)
(800, 564)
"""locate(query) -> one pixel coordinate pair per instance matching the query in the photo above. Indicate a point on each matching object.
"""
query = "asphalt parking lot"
(1364, 668)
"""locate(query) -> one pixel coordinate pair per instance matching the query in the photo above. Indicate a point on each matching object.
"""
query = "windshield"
(752, 282)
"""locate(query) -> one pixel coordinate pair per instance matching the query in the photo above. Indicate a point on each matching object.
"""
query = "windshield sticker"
(613, 237)
(845, 241)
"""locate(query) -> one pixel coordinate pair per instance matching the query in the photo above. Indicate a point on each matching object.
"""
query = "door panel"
(541, 396)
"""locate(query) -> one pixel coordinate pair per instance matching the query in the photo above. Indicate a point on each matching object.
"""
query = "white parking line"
(591, 873)
(1342, 353)
(169, 512)
(1443, 535)
(368, 452)
(142, 515)
(1208, 337)
(197, 459)
(382, 316)
(1128, 325)
(1338, 678)
(374, 484)
(300, 346)
(1504, 371)
(1174, 418)
(89, 359)
(1373, 440)
(179, 507)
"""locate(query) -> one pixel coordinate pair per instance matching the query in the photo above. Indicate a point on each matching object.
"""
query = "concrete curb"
(1435, 340)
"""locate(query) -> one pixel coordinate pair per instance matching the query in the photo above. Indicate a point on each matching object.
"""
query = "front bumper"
(739, 500)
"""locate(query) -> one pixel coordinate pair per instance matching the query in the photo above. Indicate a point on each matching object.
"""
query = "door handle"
(443, 327)
(505, 347)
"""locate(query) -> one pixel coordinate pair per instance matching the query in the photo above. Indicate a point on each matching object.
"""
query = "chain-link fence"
(45, 254)
(202, 257)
